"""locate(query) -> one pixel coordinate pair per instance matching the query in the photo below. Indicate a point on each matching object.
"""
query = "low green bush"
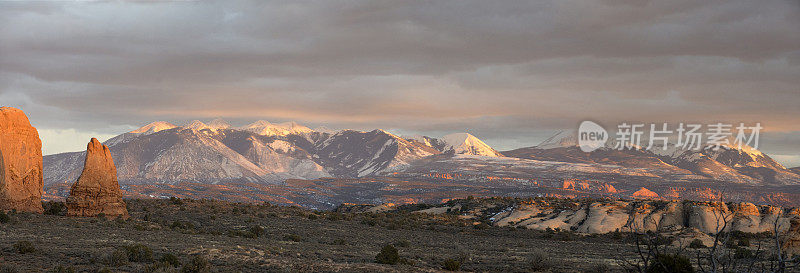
(742, 253)
(198, 264)
(293, 238)
(666, 263)
(23, 247)
(63, 269)
(139, 253)
(452, 264)
(54, 208)
(540, 261)
(4, 217)
(388, 255)
(170, 259)
(697, 243)
(118, 258)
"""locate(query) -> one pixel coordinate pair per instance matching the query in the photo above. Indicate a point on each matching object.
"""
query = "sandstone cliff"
(20, 162)
(97, 189)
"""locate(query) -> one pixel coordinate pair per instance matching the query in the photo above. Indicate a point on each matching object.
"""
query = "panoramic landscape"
(384, 136)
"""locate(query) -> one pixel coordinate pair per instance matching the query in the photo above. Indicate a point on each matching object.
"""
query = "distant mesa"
(97, 189)
(21, 170)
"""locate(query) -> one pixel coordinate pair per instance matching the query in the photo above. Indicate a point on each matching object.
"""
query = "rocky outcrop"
(610, 216)
(97, 189)
(644, 193)
(20, 162)
(792, 244)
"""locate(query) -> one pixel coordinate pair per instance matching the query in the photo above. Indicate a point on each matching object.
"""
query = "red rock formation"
(20, 163)
(644, 193)
(97, 190)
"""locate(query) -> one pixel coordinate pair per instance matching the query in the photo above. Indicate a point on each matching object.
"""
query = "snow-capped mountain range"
(263, 152)
(727, 163)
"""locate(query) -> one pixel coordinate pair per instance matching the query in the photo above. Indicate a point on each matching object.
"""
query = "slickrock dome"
(20, 163)
(97, 190)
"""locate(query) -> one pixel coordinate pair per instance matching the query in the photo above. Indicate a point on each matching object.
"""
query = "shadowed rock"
(97, 190)
(792, 244)
(20, 162)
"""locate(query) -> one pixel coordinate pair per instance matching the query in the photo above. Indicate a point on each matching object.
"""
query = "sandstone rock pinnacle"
(97, 189)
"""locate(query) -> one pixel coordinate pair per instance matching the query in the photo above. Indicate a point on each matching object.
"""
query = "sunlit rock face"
(20, 162)
(792, 244)
(641, 216)
(97, 190)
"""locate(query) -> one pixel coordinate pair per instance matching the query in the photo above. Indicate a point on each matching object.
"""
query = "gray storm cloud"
(509, 72)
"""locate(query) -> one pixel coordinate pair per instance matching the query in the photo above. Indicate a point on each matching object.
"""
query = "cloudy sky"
(509, 72)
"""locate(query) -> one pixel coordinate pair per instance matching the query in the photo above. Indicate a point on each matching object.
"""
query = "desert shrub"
(5, 268)
(198, 264)
(293, 238)
(742, 253)
(402, 243)
(62, 269)
(452, 264)
(481, 226)
(139, 253)
(160, 267)
(340, 242)
(369, 221)
(697, 243)
(312, 216)
(598, 268)
(731, 244)
(744, 242)
(666, 263)
(388, 255)
(4, 217)
(54, 208)
(170, 259)
(182, 225)
(118, 258)
(175, 201)
(257, 231)
(23, 247)
(539, 261)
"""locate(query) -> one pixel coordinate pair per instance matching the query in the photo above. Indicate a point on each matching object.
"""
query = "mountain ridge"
(262, 152)
(726, 163)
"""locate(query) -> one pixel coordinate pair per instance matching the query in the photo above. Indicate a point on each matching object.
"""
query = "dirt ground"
(262, 238)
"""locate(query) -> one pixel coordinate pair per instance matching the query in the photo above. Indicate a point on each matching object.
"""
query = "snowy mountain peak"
(196, 125)
(465, 143)
(295, 128)
(153, 128)
(257, 124)
(558, 140)
(265, 128)
(323, 129)
(218, 124)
